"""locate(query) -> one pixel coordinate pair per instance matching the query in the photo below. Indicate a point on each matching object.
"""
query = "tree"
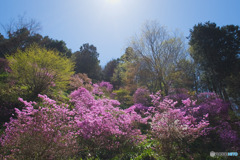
(108, 70)
(216, 51)
(57, 45)
(23, 38)
(22, 33)
(184, 75)
(126, 71)
(159, 52)
(38, 70)
(87, 61)
(20, 39)
(22, 22)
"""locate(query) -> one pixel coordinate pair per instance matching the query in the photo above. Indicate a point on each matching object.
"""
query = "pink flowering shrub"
(222, 127)
(139, 108)
(178, 94)
(174, 128)
(39, 132)
(210, 103)
(141, 96)
(222, 133)
(107, 85)
(47, 130)
(228, 136)
(94, 126)
(103, 89)
(80, 80)
(97, 90)
(103, 126)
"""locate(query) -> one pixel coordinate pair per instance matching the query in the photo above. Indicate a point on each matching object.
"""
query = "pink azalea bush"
(48, 130)
(174, 128)
(139, 108)
(103, 89)
(39, 132)
(141, 96)
(222, 126)
(80, 80)
(107, 85)
(103, 126)
(94, 126)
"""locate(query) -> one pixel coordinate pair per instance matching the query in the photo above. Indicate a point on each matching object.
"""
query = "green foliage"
(216, 51)
(145, 151)
(123, 96)
(233, 86)
(18, 39)
(108, 70)
(22, 34)
(126, 70)
(183, 76)
(39, 70)
(86, 61)
(57, 45)
(3, 77)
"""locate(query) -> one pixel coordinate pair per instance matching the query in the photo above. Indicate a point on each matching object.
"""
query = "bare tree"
(160, 52)
(22, 22)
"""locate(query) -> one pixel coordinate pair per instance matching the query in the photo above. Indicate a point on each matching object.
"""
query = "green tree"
(126, 72)
(184, 75)
(216, 51)
(123, 96)
(87, 61)
(22, 33)
(57, 45)
(20, 39)
(39, 70)
(23, 38)
(108, 70)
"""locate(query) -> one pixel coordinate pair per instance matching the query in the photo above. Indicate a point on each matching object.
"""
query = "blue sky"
(110, 24)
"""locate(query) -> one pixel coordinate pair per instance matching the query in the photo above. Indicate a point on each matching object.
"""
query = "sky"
(110, 24)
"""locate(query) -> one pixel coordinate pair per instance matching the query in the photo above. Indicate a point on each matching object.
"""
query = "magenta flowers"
(48, 130)
(91, 125)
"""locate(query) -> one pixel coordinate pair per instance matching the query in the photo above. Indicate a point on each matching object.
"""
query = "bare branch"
(30, 24)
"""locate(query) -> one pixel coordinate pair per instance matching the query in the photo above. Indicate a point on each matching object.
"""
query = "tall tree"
(86, 61)
(125, 74)
(159, 52)
(216, 51)
(57, 45)
(23, 33)
(20, 39)
(108, 70)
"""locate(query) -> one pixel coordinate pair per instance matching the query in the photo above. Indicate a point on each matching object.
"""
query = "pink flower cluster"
(107, 85)
(102, 121)
(97, 90)
(175, 124)
(39, 132)
(141, 96)
(91, 126)
(102, 88)
(48, 130)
